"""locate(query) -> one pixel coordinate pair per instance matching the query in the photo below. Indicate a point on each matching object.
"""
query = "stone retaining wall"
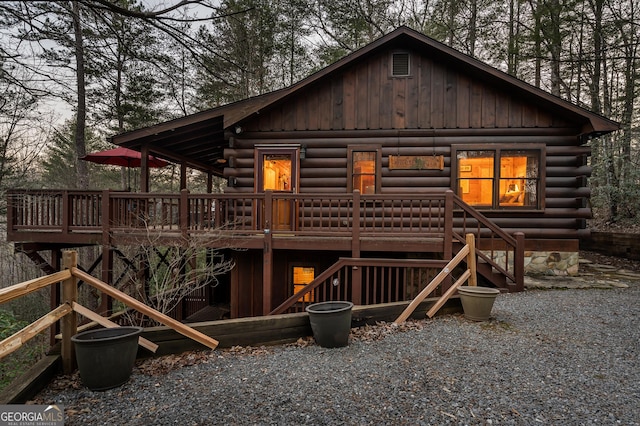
(551, 263)
(567, 263)
(544, 262)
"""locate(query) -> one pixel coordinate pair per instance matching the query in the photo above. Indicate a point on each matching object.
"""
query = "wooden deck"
(348, 221)
(90, 217)
(364, 226)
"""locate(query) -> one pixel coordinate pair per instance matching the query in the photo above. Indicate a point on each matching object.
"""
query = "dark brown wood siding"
(246, 279)
(366, 96)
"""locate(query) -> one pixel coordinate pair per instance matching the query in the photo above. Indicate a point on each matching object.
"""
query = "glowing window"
(276, 171)
(475, 177)
(303, 275)
(364, 172)
(499, 178)
(364, 168)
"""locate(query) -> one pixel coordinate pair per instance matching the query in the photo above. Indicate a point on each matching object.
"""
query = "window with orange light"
(364, 172)
(499, 178)
(303, 275)
(276, 172)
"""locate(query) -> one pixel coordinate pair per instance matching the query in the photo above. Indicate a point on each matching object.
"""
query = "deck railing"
(376, 281)
(494, 247)
(303, 214)
(62, 214)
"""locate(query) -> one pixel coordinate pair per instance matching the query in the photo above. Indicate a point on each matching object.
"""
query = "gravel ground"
(555, 357)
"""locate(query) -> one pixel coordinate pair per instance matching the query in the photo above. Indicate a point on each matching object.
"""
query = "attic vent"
(400, 64)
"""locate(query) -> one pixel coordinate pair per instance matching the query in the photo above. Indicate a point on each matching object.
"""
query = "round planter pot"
(477, 302)
(106, 356)
(330, 323)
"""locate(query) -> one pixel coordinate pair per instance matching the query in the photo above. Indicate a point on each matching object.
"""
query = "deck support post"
(184, 213)
(356, 273)
(518, 261)
(70, 321)
(66, 212)
(267, 255)
(144, 168)
(183, 176)
(447, 250)
(209, 182)
(107, 256)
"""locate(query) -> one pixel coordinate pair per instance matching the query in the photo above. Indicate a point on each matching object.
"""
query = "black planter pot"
(331, 323)
(106, 356)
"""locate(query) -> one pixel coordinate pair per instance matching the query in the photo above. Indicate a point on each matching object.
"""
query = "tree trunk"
(555, 45)
(81, 113)
(596, 105)
(473, 25)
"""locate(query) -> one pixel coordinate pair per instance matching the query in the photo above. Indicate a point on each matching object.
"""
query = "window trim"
(498, 148)
(285, 149)
(364, 148)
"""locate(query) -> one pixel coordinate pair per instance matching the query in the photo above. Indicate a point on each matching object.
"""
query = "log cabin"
(353, 183)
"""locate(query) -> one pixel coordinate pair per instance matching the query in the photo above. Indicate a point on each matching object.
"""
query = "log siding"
(325, 169)
(437, 107)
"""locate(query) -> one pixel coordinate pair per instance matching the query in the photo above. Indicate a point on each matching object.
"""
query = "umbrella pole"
(124, 179)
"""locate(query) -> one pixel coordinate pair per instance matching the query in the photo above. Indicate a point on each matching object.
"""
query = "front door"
(278, 172)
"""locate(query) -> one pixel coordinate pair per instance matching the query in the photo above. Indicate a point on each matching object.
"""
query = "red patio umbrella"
(124, 157)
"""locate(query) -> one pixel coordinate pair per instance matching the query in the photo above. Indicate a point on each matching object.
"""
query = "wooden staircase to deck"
(496, 279)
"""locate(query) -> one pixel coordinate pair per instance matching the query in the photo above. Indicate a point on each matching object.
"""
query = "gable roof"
(198, 140)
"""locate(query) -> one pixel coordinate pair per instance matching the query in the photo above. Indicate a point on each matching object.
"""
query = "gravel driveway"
(549, 357)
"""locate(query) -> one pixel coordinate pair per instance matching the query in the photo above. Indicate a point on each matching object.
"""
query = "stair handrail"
(310, 287)
(351, 262)
(516, 242)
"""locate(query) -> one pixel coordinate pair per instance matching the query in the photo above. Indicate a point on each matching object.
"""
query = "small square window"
(400, 64)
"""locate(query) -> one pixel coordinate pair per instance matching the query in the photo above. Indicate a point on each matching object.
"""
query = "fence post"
(471, 259)
(69, 323)
(356, 273)
(107, 256)
(448, 235)
(184, 212)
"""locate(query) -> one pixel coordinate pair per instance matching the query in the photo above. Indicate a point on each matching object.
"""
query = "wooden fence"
(69, 308)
